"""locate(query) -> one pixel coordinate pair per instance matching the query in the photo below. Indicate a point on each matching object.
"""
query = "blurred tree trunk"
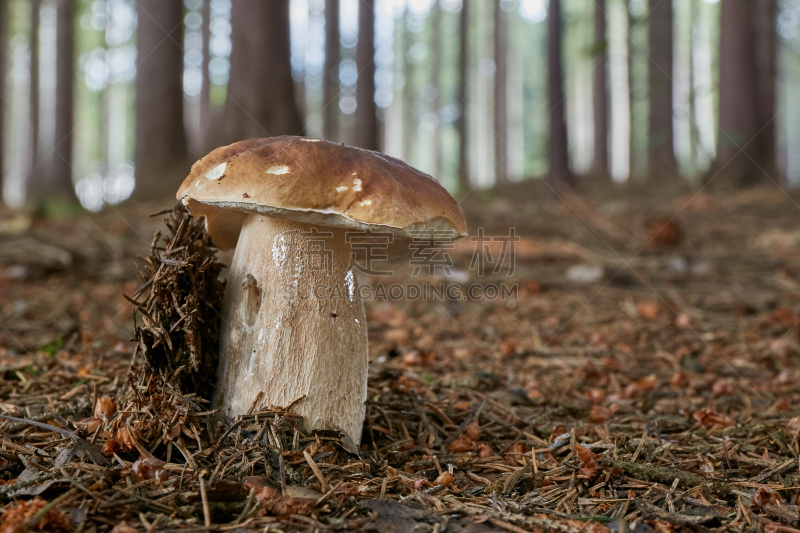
(436, 68)
(500, 93)
(660, 148)
(366, 131)
(34, 185)
(694, 137)
(261, 101)
(4, 26)
(631, 96)
(331, 74)
(765, 19)
(462, 125)
(205, 88)
(746, 92)
(160, 135)
(557, 148)
(600, 166)
(409, 121)
(61, 173)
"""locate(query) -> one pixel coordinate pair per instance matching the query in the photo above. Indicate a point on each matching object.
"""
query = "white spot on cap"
(366, 202)
(277, 170)
(216, 172)
(341, 189)
(196, 183)
(356, 184)
(310, 140)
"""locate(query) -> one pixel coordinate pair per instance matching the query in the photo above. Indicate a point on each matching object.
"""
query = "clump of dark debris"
(180, 312)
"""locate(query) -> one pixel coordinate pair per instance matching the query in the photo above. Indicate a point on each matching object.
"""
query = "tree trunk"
(600, 165)
(61, 172)
(205, 88)
(331, 74)
(660, 148)
(557, 148)
(366, 134)
(500, 94)
(747, 75)
(765, 19)
(463, 78)
(160, 136)
(4, 25)
(632, 160)
(436, 104)
(409, 120)
(35, 188)
(261, 100)
(694, 137)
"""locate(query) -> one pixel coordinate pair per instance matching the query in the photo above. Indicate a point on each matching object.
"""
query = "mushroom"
(286, 204)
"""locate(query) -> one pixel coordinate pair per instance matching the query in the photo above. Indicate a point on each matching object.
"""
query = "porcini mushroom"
(286, 204)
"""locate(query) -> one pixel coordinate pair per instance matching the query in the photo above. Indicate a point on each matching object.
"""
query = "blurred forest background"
(108, 99)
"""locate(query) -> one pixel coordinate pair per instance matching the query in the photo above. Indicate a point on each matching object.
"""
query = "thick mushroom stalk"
(294, 326)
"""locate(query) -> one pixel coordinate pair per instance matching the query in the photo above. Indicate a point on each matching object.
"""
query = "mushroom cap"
(317, 182)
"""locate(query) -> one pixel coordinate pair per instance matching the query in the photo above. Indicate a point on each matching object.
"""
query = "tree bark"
(463, 78)
(765, 19)
(632, 160)
(660, 148)
(4, 26)
(436, 104)
(261, 101)
(694, 138)
(35, 188)
(160, 136)
(600, 164)
(409, 120)
(747, 92)
(560, 173)
(500, 94)
(61, 172)
(366, 133)
(205, 88)
(331, 74)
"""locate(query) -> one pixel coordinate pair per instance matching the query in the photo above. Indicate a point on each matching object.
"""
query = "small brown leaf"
(106, 407)
(710, 418)
(587, 456)
(149, 468)
(462, 444)
(600, 414)
(484, 451)
(473, 430)
(444, 479)
(766, 496)
(277, 505)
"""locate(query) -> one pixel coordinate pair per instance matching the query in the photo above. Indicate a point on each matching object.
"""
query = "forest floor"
(639, 381)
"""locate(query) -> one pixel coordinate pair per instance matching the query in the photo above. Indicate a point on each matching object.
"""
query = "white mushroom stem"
(293, 326)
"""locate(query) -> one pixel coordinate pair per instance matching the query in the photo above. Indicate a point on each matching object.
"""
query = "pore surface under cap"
(318, 182)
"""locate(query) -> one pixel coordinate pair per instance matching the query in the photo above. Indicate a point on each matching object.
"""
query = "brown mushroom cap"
(317, 182)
